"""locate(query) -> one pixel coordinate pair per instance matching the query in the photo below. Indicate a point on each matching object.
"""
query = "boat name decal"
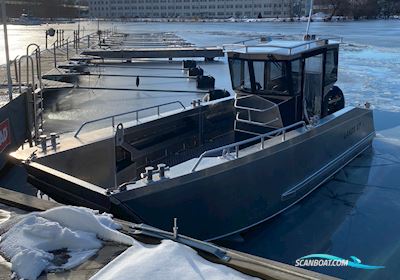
(352, 130)
(314, 260)
(5, 135)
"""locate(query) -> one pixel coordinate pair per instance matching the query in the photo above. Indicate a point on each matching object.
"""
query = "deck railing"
(236, 146)
(136, 112)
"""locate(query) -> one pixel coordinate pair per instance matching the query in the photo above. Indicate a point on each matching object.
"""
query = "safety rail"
(112, 117)
(252, 108)
(236, 145)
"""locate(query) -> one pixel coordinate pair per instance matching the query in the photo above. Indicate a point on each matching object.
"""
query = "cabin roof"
(284, 48)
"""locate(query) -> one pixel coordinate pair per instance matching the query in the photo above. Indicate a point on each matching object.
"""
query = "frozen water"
(167, 261)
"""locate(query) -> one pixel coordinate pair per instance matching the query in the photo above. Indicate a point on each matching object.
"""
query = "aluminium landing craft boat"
(222, 166)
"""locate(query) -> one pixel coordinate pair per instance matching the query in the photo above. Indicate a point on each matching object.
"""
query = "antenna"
(309, 18)
(4, 19)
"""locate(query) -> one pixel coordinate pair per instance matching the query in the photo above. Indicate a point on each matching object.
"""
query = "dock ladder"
(34, 85)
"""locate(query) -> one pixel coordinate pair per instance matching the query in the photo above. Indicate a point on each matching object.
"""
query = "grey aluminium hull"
(227, 198)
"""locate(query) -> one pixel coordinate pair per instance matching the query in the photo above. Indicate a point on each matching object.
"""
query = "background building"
(46, 8)
(196, 8)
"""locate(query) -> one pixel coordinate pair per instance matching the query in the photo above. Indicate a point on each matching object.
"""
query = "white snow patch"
(167, 261)
(28, 244)
(4, 216)
(84, 219)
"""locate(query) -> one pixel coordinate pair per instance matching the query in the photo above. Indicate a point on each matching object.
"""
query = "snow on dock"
(166, 261)
(30, 243)
(37, 241)
(147, 258)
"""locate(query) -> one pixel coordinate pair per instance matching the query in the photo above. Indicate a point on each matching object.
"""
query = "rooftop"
(282, 45)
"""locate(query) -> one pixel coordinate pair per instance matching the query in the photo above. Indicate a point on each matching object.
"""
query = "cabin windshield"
(269, 77)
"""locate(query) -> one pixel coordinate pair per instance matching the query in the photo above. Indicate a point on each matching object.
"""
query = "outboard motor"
(333, 101)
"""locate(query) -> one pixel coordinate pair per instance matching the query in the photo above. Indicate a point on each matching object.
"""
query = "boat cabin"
(282, 82)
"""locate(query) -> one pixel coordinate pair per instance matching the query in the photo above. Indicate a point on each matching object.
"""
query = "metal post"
(4, 19)
(74, 40)
(309, 18)
(46, 38)
(16, 69)
(57, 37)
(88, 41)
(55, 56)
(67, 50)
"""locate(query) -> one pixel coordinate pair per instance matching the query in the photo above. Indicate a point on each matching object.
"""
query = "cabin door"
(313, 85)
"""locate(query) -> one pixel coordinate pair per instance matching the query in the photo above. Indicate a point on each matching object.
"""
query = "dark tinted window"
(331, 67)
(296, 76)
(240, 74)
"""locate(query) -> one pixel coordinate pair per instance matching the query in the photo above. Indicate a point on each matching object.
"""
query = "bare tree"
(335, 7)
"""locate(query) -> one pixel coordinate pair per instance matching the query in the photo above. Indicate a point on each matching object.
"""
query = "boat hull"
(228, 198)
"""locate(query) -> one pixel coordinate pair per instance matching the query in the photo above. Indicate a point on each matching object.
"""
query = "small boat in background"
(26, 19)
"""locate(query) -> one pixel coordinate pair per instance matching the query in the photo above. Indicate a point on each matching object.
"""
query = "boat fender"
(333, 101)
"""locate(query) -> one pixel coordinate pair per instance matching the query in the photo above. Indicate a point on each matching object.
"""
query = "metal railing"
(235, 146)
(112, 117)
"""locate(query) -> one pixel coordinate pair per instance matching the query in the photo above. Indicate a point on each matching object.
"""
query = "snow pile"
(30, 243)
(167, 261)
(85, 219)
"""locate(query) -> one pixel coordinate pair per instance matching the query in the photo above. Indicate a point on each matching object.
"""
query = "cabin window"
(331, 66)
(240, 74)
(246, 82)
(313, 84)
(296, 76)
(276, 77)
(259, 74)
(270, 77)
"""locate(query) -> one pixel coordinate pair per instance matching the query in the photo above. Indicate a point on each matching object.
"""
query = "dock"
(28, 69)
(208, 53)
(19, 203)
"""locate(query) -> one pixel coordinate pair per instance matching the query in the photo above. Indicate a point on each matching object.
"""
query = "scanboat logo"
(329, 260)
(5, 137)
